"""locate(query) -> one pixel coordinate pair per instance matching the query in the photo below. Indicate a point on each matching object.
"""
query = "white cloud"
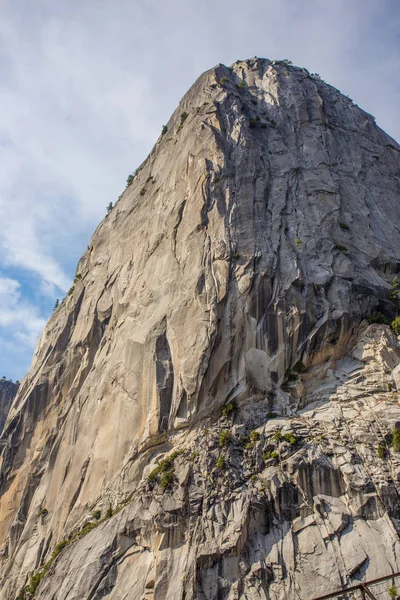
(21, 249)
(17, 315)
(69, 119)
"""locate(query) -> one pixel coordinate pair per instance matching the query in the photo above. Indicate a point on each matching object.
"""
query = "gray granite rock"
(8, 389)
(237, 268)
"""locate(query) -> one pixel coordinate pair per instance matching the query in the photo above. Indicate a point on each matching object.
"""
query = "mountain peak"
(210, 393)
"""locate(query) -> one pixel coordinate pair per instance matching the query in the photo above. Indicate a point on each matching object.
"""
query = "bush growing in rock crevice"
(251, 441)
(165, 469)
(394, 295)
(381, 451)
(395, 325)
(396, 439)
(220, 464)
(227, 409)
(290, 438)
(378, 318)
(224, 438)
(255, 436)
(184, 116)
(167, 478)
(267, 455)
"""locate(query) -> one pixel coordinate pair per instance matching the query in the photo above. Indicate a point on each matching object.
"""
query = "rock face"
(8, 389)
(210, 384)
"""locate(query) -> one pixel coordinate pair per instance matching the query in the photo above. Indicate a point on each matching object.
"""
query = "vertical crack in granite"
(164, 381)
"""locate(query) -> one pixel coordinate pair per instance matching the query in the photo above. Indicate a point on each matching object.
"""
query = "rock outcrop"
(8, 389)
(208, 414)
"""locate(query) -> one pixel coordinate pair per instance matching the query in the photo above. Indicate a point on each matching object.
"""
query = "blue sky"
(86, 86)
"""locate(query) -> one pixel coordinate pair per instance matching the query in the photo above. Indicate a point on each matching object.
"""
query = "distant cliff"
(8, 389)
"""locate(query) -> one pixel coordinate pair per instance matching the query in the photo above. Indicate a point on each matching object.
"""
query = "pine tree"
(56, 304)
(129, 179)
(109, 208)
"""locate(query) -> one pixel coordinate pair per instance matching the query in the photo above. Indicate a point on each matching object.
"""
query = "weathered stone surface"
(8, 389)
(237, 268)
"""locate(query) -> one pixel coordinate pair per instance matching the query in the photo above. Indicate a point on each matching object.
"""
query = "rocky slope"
(8, 389)
(219, 306)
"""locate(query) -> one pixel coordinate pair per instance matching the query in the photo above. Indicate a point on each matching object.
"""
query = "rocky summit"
(211, 413)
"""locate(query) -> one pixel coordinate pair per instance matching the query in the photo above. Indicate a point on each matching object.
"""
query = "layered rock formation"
(8, 389)
(220, 306)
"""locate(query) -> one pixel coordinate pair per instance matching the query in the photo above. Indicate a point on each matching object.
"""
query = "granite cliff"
(209, 414)
(8, 389)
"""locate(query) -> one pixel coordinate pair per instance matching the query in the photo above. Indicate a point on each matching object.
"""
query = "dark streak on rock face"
(8, 389)
(164, 380)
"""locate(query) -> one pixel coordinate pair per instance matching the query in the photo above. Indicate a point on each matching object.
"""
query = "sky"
(85, 87)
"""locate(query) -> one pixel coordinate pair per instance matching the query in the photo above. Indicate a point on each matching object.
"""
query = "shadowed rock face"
(236, 268)
(8, 389)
